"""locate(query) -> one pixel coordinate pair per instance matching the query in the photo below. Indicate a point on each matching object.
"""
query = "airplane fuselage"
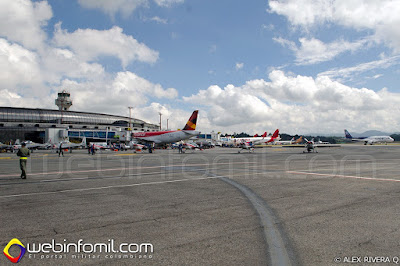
(166, 136)
(377, 139)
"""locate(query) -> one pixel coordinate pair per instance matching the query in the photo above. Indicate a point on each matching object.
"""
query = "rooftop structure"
(63, 101)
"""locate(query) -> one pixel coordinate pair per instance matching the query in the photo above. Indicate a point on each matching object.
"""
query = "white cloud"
(90, 44)
(58, 63)
(124, 7)
(168, 3)
(312, 51)
(10, 98)
(297, 104)
(158, 20)
(379, 16)
(21, 21)
(128, 81)
(33, 69)
(349, 73)
(213, 49)
(113, 94)
(111, 8)
(239, 66)
(268, 27)
(19, 67)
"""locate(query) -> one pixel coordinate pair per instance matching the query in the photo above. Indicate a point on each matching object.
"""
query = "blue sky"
(299, 65)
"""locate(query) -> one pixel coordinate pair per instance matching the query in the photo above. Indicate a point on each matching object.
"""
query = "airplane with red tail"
(274, 137)
(263, 140)
(163, 137)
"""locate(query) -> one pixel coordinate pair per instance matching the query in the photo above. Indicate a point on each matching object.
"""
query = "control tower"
(63, 101)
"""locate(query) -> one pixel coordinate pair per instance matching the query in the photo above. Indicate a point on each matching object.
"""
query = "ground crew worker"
(61, 151)
(23, 154)
(180, 147)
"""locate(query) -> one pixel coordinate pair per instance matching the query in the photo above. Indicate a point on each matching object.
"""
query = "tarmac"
(276, 206)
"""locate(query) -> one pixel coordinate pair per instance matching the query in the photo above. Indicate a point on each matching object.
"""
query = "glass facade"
(25, 115)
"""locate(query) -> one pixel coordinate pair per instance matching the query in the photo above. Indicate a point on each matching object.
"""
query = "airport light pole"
(130, 122)
(160, 119)
(130, 117)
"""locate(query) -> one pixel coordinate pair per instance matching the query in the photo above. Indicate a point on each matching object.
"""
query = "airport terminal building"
(41, 124)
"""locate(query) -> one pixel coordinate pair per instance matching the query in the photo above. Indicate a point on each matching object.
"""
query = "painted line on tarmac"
(344, 176)
(117, 186)
(119, 169)
(107, 187)
(24, 182)
(90, 178)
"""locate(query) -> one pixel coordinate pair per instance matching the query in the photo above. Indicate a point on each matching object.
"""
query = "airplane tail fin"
(191, 123)
(347, 134)
(264, 135)
(276, 134)
(83, 143)
(299, 140)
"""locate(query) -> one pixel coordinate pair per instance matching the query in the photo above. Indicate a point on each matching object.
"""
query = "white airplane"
(70, 145)
(239, 141)
(30, 145)
(135, 146)
(191, 146)
(322, 142)
(264, 140)
(284, 142)
(6, 147)
(310, 146)
(248, 143)
(98, 146)
(161, 137)
(369, 140)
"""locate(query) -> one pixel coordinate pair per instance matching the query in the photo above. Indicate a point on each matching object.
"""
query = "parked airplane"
(5, 146)
(240, 141)
(310, 146)
(133, 145)
(191, 146)
(299, 140)
(30, 145)
(100, 145)
(70, 145)
(322, 142)
(266, 140)
(284, 142)
(248, 143)
(171, 136)
(369, 140)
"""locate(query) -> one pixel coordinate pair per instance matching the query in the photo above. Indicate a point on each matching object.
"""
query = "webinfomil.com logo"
(80, 249)
(18, 243)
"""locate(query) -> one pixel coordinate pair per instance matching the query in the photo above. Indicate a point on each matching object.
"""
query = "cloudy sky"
(298, 65)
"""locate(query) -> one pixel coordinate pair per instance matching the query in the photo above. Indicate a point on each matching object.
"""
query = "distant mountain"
(374, 133)
(367, 133)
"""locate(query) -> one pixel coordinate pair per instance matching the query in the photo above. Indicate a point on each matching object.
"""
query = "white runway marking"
(119, 169)
(106, 187)
(344, 176)
(121, 186)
